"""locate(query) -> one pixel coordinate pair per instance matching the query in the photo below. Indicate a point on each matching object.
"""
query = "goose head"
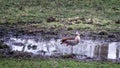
(77, 33)
(77, 38)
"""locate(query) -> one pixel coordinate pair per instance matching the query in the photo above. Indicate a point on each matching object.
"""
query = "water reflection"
(88, 48)
(114, 50)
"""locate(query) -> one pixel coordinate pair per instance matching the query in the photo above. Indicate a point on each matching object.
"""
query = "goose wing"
(65, 39)
(71, 42)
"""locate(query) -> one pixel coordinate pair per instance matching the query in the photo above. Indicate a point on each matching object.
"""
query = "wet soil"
(18, 30)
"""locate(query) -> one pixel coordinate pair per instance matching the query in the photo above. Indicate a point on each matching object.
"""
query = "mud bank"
(18, 30)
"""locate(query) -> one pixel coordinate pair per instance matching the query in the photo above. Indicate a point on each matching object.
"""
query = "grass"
(53, 63)
(26, 11)
(35, 10)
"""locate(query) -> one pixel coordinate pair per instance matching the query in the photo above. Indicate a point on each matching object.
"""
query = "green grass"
(35, 10)
(53, 63)
(25, 11)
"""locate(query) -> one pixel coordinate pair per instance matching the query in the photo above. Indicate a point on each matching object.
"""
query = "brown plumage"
(64, 40)
(71, 41)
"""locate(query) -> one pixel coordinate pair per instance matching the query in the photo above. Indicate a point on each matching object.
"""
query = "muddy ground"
(17, 30)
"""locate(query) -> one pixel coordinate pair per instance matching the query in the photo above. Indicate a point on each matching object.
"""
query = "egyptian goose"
(71, 41)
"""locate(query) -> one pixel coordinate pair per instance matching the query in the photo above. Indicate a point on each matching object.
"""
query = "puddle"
(86, 48)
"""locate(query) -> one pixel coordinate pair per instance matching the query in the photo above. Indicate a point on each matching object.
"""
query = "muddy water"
(52, 47)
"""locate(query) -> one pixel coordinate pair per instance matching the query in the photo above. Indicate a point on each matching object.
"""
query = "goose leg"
(71, 49)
